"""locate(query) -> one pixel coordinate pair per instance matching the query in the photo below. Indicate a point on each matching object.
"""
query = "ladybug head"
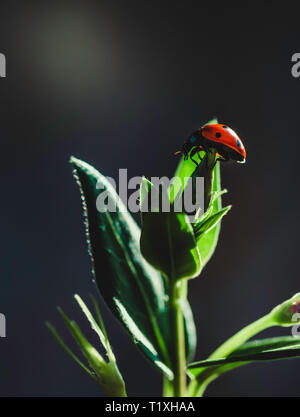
(190, 143)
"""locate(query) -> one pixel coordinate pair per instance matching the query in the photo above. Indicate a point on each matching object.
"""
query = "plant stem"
(207, 375)
(242, 336)
(178, 294)
(168, 389)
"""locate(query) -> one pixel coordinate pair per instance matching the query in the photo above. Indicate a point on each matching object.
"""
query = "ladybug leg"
(195, 162)
(222, 159)
(199, 156)
(194, 152)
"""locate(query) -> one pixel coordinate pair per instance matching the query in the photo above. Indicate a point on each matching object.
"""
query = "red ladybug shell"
(224, 135)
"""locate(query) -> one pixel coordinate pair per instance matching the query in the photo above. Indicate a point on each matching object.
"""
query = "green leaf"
(211, 122)
(133, 290)
(258, 346)
(93, 357)
(67, 349)
(208, 242)
(204, 372)
(209, 212)
(106, 374)
(208, 224)
(276, 348)
(94, 325)
(167, 240)
(99, 317)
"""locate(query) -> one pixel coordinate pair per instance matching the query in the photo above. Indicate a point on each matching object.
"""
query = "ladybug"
(219, 137)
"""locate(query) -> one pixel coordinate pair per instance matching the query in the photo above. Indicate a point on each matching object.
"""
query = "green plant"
(142, 275)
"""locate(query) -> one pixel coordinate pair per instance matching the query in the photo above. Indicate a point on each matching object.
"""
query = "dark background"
(120, 85)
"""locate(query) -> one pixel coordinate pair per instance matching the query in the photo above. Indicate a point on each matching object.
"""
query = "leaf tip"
(77, 163)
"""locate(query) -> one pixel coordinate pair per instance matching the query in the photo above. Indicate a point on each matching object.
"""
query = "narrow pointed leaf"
(67, 349)
(208, 243)
(215, 195)
(203, 373)
(204, 227)
(99, 317)
(254, 347)
(95, 326)
(259, 350)
(93, 357)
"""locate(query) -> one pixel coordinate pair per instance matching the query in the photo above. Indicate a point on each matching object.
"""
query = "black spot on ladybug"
(225, 127)
(218, 135)
(238, 142)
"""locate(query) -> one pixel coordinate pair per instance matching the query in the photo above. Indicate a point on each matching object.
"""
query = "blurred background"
(121, 85)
